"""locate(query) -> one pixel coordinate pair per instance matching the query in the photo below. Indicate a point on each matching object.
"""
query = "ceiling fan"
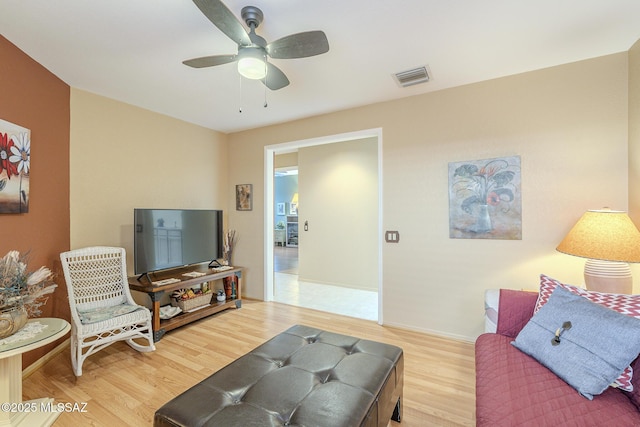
(253, 50)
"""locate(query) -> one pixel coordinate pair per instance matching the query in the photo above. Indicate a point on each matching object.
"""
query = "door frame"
(269, 170)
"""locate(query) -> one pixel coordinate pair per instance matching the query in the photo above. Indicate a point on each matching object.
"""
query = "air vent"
(412, 77)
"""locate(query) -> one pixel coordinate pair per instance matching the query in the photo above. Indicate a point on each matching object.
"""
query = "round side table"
(13, 411)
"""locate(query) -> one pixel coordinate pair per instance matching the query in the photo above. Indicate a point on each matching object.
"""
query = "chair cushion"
(95, 315)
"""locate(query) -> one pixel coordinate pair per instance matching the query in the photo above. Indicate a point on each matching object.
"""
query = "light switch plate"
(392, 236)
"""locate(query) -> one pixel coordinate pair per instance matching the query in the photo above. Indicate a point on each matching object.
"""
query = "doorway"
(312, 292)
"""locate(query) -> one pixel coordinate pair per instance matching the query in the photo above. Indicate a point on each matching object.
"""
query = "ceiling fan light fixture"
(252, 64)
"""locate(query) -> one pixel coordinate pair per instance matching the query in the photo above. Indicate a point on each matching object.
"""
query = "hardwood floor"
(285, 259)
(123, 387)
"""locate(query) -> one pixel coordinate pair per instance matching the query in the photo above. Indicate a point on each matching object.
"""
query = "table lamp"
(609, 240)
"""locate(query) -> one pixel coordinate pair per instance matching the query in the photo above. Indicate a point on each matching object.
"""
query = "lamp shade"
(603, 235)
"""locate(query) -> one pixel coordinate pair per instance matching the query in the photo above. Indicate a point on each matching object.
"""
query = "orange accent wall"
(33, 97)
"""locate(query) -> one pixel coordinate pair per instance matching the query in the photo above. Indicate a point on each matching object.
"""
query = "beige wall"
(634, 134)
(568, 124)
(338, 191)
(123, 157)
(286, 160)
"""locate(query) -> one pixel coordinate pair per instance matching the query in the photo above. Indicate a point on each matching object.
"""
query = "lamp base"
(608, 276)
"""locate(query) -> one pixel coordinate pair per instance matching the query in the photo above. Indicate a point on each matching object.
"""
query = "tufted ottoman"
(301, 377)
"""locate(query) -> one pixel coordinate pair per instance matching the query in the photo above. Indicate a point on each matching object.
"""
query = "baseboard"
(44, 359)
(455, 337)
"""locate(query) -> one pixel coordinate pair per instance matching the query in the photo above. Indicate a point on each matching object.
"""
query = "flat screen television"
(168, 238)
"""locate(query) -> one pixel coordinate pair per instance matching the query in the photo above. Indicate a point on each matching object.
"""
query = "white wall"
(568, 124)
(338, 190)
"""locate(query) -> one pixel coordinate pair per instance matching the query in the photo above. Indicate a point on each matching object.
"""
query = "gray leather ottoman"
(301, 377)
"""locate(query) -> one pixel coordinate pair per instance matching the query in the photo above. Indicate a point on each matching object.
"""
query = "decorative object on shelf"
(22, 293)
(190, 299)
(15, 161)
(244, 197)
(280, 225)
(485, 199)
(221, 297)
(228, 245)
(230, 286)
(609, 240)
(169, 311)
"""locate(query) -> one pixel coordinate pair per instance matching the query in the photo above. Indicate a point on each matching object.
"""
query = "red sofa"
(513, 389)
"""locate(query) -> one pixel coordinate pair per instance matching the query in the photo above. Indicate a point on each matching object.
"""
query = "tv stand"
(156, 292)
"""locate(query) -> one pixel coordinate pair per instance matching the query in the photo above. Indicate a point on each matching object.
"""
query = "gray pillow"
(590, 355)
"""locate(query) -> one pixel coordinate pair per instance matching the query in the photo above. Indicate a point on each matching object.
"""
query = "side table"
(13, 411)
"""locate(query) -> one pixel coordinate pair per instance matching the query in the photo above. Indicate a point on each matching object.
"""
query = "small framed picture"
(281, 209)
(244, 197)
(293, 209)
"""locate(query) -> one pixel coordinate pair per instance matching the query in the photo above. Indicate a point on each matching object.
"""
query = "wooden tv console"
(156, 292)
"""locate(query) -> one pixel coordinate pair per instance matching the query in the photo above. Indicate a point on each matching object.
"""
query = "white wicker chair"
(102, 309)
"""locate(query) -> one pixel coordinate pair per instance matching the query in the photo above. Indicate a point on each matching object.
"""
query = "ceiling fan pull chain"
(240, 96)
(265, 79)
(265, 97)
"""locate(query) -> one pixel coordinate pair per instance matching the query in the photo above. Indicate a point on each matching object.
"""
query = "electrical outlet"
(392, 236)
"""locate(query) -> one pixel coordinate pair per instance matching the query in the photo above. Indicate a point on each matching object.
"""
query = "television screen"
(167, 238)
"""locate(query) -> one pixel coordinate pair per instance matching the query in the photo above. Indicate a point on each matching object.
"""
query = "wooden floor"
(123, 387)
(285, 259)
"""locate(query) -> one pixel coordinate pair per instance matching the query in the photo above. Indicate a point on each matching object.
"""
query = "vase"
(12, 319)
(483, 221)
(228, 286)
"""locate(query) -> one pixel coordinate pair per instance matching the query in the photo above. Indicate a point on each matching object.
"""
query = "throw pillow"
(622, 303)
(593, 344)
(625, 304)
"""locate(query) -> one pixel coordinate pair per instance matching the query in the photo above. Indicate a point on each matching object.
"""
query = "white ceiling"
(132, 50)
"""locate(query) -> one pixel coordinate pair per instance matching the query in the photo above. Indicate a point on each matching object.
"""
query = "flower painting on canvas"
(485, 199)
(15, 166)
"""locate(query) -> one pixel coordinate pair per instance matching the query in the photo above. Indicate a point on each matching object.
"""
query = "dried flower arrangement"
(20, 287)
(229, 244)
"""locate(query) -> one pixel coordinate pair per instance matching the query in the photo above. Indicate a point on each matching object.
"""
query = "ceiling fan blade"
(275, 78)
(299, 45)
(209, 61)
(224, 19)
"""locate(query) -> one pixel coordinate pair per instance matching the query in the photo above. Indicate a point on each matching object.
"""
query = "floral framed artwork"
(485, 200)
(244, 197)
(15, 167)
